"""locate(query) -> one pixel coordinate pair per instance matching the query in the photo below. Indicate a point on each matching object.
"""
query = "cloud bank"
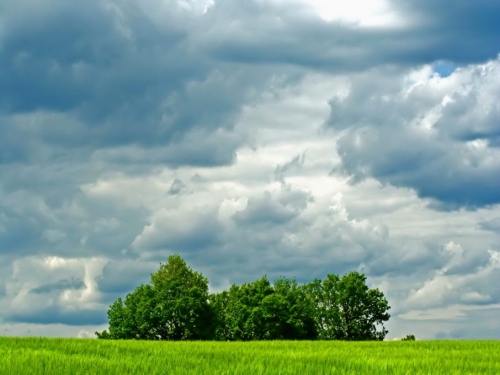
(294, 138)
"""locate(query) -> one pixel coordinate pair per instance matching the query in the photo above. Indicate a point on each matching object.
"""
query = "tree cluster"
(176, 305)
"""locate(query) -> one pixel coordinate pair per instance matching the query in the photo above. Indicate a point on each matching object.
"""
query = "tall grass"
(25, 356)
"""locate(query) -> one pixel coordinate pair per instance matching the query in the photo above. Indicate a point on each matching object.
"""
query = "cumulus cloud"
(413, 126)
(294, 138)
(186, 229)
(53, 290)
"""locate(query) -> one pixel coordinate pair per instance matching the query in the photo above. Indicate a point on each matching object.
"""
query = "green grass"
(36, 356)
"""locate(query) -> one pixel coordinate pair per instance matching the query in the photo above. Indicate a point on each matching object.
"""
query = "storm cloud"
(294, 138)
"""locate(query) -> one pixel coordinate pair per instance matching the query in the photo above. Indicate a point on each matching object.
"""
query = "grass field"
(24, 356)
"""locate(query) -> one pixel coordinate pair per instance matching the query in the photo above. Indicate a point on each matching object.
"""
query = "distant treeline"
(176, 305)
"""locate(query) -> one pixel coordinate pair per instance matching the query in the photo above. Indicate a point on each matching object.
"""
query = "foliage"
(323, 296)
(408, 338)
(181, 309)
(37, 356)
(173, 307)
(259, 311)
(346, 309)
(177, 306)
(289, 311)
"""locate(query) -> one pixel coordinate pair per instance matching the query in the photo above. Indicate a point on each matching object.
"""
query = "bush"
(409, 338)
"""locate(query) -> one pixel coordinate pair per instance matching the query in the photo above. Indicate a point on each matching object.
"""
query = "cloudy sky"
(278, 137)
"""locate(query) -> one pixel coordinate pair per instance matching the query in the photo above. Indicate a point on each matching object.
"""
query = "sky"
(290, 138)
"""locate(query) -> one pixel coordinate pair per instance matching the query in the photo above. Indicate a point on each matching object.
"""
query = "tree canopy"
(176, 305)
(346, 309)
(173, 307)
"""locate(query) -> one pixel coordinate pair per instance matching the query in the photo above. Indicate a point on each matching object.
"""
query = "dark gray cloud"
(78, 57)
(20, 234)
(490, 225)
(67, 224)
(410, 130)
(281, 170)
(465, 31)
(101, 75)
(186, 230)
(471, 262)
(123, 78)
(55, 314)
(120, 277)
(410, 260)
(291, 34)
(177, 187)
(60, 285)
(264, 210)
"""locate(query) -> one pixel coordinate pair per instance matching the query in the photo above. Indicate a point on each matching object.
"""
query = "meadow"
(38, 356)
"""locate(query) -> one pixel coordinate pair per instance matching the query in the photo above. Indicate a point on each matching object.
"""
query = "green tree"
(324, 297)
(260, 311)
(138, 320)
(173, 307)
(131, 319)
(219, 303)
(181, 310)
(239, 314)
(287, 313)
(119, 325)
(176, 306)
(346, 309)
